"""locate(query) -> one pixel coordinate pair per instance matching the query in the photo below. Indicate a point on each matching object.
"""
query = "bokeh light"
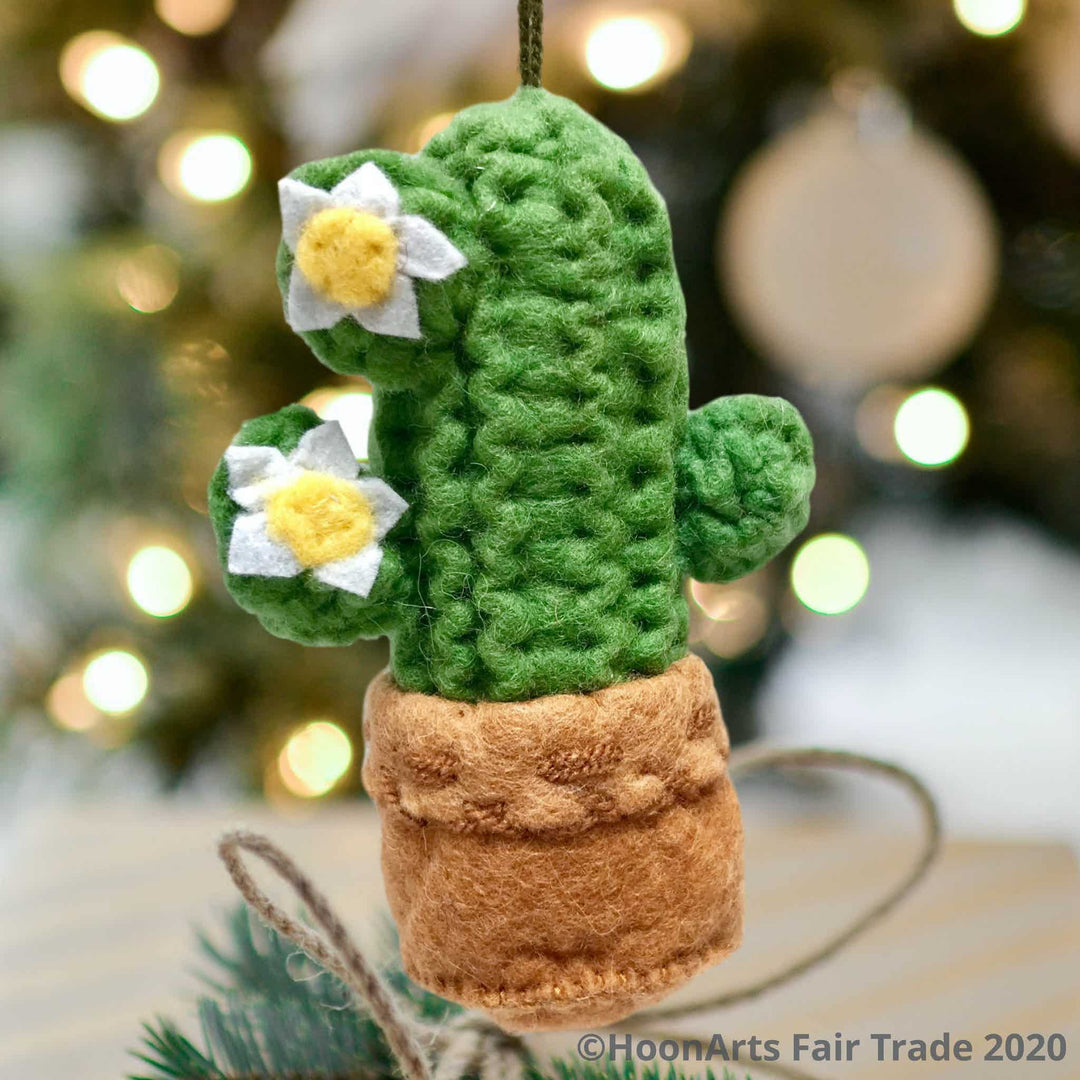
(67, 705)
(314, 758)
(159, 580)
(149, 279)
(115, 681)
(736, 617)
(875, 419)
(830, 574)
(194, 17)
(109, 75)
(206, 167)
(990, 18)
(429, 128)
(931, 427)
(197, 370)
(352, 409)
(633, 52)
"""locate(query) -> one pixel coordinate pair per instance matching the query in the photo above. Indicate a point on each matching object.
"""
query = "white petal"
(325, 449)
(306, 309)
(249, 467)
(355, 574)
(252, 551)
(386, 504)
(298, 202)
(368, 188)
(428, 254)
(396, 316)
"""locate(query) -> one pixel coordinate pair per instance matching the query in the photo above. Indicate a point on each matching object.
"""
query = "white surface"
(962, 662)
(97, 907)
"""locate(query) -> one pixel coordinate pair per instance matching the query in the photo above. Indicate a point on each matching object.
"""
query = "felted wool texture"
(356, 254)
(302, 607)
(745, 471)
(554, 765)
(320, 256)
(310, 510)
(535, 426)
(347, 526)
(552, 877)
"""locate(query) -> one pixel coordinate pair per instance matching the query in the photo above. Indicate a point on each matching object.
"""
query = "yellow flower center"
(348, 255)
(320, 518)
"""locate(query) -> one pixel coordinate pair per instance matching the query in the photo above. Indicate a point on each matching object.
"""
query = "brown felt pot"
(564, 861)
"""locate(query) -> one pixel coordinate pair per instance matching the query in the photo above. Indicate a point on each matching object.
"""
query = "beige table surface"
(96, 910)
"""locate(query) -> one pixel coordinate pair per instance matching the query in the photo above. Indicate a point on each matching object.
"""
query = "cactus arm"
(744, 470)
(301, 608)
(397, 363)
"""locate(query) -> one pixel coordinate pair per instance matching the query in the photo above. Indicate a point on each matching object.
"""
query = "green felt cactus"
(530, 384)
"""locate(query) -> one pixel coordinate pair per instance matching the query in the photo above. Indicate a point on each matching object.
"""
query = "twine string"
(530, 40)
(337, 952)
(471, 1044)
(757, 760)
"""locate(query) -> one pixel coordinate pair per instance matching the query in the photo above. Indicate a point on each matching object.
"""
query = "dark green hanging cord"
(531, 37)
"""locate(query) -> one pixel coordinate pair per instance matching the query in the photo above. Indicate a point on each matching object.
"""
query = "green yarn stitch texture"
(559, 491)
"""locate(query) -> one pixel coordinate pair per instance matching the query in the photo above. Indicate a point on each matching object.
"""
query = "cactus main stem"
(544, 465)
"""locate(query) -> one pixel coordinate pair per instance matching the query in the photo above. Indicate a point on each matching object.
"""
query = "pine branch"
(172, 1055)
(274, 1015)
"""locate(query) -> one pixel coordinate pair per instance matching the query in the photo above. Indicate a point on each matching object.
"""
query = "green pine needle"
(272, 1014)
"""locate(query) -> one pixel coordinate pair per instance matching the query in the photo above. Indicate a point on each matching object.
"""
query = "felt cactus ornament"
(561, 842)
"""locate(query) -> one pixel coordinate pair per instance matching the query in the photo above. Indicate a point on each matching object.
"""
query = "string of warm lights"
(729, 620)
(115, 681)
(118, 81)
(149, 279)
(315, 758)
(635, 52)
(830, 573)
(990, 18)
(931, 427)
(109, 75)
(205, 166)
(112, 683)
(159, 581)
(194, 17)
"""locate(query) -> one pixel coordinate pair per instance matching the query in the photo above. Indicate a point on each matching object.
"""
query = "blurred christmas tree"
(897, 183)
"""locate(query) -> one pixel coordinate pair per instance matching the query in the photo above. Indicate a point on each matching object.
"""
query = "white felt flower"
(309, 511)
(355, 253)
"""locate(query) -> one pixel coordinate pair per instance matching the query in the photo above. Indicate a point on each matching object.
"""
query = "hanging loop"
(531, 40)
(751, 760)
